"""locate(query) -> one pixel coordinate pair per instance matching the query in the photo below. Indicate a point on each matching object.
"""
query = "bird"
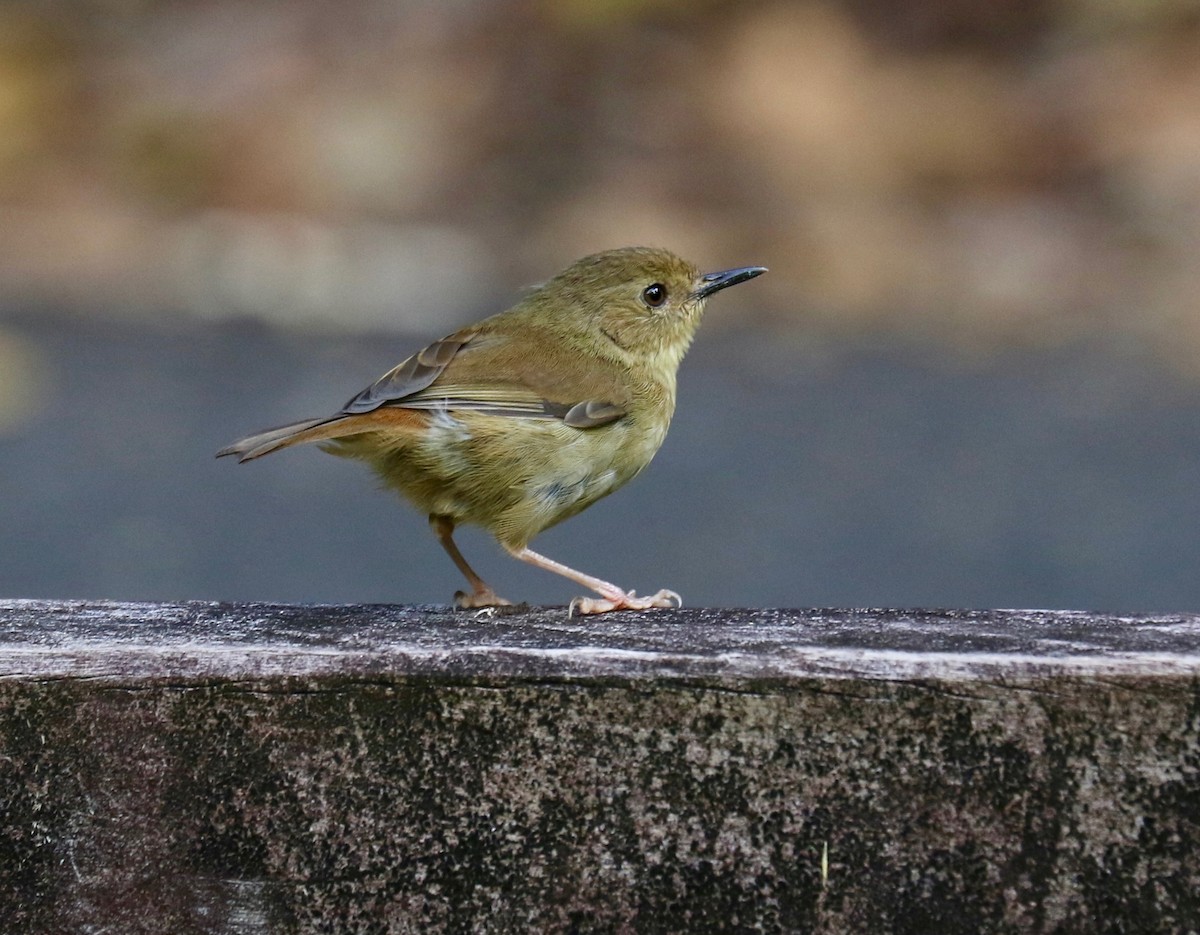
(524, 419)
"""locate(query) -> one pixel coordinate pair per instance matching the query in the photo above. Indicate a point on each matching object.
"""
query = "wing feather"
(453, 374)
(409, 376)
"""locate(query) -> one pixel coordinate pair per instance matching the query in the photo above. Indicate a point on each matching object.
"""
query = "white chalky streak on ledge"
(198, 640)
(197, 660)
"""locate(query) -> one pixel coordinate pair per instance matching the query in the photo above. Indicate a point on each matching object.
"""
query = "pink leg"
(611, 597)
(481, 594)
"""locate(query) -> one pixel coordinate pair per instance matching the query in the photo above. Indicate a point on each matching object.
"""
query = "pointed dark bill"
(715, 282)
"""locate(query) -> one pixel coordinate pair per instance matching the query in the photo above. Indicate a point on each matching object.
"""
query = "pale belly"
(517, 477)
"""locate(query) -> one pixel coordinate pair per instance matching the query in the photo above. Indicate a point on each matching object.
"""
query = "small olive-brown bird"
(524, 419)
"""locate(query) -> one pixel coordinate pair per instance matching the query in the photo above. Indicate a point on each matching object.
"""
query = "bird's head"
(646, 301)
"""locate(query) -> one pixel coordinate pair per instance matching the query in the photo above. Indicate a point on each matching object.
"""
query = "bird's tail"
(297, 433)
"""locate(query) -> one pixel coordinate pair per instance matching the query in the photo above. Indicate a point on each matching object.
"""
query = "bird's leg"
(611, 597)
(481, 594)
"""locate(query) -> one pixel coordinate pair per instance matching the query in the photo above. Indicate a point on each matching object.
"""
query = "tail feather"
(310, 430)
(387, 419)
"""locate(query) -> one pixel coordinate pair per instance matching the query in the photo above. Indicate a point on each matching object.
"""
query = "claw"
(486, 600)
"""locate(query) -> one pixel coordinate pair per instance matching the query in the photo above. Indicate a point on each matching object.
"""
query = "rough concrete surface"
(252, 768)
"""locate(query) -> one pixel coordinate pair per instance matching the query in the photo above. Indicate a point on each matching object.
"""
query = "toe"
(590, 605)
(665, 598)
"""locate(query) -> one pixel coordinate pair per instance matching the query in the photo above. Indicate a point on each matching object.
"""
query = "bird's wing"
(490, 374)
(409, 376)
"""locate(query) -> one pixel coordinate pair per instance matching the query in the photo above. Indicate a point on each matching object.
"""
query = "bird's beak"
(715, 282)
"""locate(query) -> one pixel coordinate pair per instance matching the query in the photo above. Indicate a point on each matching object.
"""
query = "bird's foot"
(486, 598)
(623, 600)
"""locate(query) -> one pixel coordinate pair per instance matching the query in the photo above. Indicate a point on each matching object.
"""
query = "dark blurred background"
(971, 378)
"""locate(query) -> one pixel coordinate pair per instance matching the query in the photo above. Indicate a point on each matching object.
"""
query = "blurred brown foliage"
(978, 173)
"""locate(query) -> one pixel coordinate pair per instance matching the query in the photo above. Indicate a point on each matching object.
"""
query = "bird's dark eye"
(654, 295)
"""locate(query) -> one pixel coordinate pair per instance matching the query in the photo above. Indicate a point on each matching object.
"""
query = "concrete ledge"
(254, 768)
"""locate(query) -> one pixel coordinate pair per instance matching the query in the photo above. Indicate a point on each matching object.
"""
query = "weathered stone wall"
(202, 768)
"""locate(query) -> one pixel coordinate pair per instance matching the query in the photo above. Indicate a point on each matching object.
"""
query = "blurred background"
(971, 378)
